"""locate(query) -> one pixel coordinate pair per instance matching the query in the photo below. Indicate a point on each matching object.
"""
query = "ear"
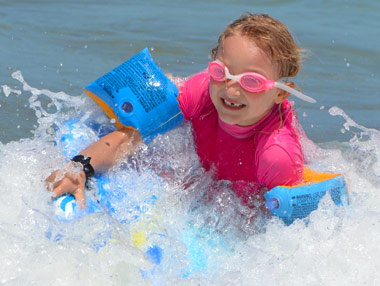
(282, 95)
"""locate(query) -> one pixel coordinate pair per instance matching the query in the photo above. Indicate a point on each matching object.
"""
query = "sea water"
(207, 240)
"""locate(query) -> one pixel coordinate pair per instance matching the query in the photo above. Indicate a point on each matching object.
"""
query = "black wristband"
(87, 168)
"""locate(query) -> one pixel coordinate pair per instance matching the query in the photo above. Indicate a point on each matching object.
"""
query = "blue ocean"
(50, 50)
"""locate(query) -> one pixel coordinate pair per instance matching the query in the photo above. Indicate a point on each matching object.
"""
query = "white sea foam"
(7, 90)
(207, 240)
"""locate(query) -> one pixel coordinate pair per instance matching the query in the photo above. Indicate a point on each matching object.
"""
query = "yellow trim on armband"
(107, 110)
(313, 177)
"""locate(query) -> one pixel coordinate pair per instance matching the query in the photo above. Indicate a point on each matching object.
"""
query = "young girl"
(243, 125)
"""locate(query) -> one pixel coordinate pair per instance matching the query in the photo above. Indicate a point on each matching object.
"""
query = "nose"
(232, 88)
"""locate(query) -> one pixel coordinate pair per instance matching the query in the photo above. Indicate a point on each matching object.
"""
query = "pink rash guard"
(263, 155)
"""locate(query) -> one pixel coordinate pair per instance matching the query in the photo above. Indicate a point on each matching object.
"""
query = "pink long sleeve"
(278, 166)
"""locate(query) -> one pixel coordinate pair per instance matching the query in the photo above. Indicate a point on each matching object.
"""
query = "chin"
(229, 120)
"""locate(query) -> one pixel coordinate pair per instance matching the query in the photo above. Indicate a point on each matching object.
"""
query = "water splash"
(363, 149)
(59, 100)
(233, 247)
(7, 90)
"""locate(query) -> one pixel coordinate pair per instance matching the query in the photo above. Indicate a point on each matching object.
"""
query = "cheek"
(215, 88)
(261, 100)
(271, 96)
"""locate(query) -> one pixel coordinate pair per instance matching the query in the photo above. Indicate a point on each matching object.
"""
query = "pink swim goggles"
(250, 81)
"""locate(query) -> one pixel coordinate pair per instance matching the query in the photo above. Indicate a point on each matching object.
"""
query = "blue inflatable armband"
(137, 94)
(293, 202)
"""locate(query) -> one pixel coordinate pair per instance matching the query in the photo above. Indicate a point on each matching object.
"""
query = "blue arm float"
(137, 94)
(292, 202)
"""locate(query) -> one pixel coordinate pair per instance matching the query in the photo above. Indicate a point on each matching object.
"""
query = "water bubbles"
(50, 131)
(347, 63)
(154, 83)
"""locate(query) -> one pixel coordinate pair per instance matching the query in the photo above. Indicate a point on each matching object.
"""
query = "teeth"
(232, 104)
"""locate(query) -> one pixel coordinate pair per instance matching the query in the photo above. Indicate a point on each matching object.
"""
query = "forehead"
(242, 54)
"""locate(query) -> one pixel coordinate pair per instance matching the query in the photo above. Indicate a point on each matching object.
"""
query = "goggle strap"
(296, 93)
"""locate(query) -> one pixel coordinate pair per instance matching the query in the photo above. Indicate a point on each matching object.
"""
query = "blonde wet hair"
(270, 35)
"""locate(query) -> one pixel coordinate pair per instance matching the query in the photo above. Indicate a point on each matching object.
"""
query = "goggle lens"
(250, 83)
(216, 71)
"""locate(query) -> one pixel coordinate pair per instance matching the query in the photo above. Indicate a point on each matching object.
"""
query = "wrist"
(88, 169)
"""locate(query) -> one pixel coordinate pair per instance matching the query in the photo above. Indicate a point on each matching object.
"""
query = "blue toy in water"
(110, 196)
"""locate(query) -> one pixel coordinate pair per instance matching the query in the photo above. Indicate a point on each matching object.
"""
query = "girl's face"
(234, 104)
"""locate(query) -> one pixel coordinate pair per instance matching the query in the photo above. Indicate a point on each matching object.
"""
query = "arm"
(280, 166)
(108, 149)
(104, 153)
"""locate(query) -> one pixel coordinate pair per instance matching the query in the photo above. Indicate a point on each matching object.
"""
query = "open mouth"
(232, 105)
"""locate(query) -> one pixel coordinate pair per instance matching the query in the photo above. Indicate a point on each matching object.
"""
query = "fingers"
(71, 183)
(80, 197)
(49, 180)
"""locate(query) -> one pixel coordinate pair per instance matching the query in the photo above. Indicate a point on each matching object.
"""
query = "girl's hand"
(68, 182)
(104, 153)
